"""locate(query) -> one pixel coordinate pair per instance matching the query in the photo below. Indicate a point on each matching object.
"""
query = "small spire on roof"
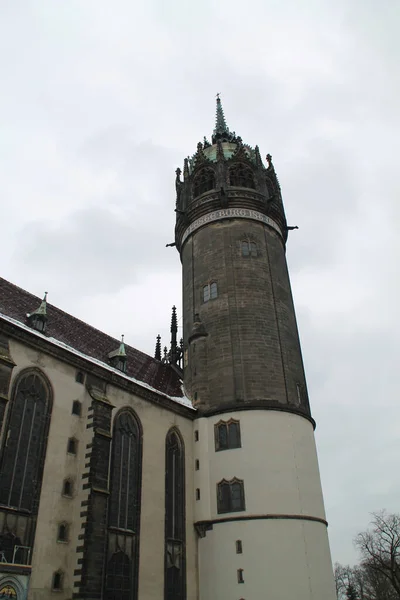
(121, 351)
(38, 318)
(118, 357)
(157, 353)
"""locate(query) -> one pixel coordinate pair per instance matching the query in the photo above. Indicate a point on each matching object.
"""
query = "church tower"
(259, 510)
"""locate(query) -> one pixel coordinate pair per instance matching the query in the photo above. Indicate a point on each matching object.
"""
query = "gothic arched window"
(203, 182)
(25, 442)
(124, 508)
(227, 435)
(230, 496)
(249, 248)
(241, 176)
(175, 560)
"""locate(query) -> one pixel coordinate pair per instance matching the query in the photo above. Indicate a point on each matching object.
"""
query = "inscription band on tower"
(230, 213)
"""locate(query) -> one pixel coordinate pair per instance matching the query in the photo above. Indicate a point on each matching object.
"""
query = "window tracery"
(121, 579)
(203, 182)
(175, 564)
(241, 176)
(26, 434)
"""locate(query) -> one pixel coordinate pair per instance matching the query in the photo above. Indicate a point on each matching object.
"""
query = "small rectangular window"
(72, 446)
(197, 494)
(80, 377)
(196, 435)
(239, 548)
(240, 577)
(197, 464)
(57, 581)
(76, 408)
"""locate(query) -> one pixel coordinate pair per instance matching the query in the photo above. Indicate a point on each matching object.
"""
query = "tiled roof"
(16, 303)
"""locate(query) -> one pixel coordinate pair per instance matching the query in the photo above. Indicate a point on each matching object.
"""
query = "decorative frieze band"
(230, 213)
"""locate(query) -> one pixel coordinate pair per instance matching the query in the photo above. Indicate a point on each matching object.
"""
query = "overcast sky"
(101, 101)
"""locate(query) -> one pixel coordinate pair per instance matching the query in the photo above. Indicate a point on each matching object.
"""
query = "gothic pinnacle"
(157, 353)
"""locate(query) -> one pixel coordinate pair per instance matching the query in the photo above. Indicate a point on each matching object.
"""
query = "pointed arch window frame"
(175, 518)
(233, 435)
(241, 175)
(121, 537)
(203, 181)
(34, 458)
(230, 496)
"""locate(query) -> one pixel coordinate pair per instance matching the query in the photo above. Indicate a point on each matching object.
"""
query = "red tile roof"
(16, 303)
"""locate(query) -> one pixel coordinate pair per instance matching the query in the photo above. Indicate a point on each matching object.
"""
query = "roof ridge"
(53, 307)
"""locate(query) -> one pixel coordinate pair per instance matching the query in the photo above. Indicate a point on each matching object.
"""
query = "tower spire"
(221, 131)
(174, 331)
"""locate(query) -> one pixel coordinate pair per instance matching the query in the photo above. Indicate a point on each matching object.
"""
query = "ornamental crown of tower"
(226, 173)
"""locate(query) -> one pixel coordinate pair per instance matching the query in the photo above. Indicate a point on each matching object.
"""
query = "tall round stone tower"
(258, 501)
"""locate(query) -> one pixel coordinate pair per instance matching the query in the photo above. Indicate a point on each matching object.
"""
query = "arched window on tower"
(230, 496)
(23, 456)
(203, 181)
(121, 579)
(175, 559)
(241, 176)
(249, 248)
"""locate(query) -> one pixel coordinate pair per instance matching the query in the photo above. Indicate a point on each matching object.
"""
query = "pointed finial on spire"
(221, 131)
(38, 318)
(157, 353)
(174, 331)
(221, 127)
(121, 351)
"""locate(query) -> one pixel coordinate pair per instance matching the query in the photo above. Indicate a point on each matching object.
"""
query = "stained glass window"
(23, 455)
(121, 582)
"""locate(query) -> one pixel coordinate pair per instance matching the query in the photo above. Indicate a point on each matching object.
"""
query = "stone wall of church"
(51, 556)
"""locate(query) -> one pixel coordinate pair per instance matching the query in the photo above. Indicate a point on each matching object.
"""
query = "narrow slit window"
(72, 446)
(197, 493)
(197, 464)
(240, 577)
(57, 581)
(76, 408)
(196, 435)
(67, 488)
(239, 547)
(62, 535)
(80, 377)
